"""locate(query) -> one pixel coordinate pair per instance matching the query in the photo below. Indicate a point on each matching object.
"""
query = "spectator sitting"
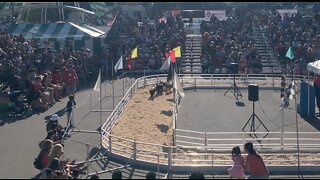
(53, 125)
(196, 175)
(56, 152)
(46, 147)
(236, 171)
(95, 176)
(151, 175)
(116, 174)
(37, 104)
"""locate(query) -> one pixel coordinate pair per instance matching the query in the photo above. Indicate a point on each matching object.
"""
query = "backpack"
(37, 162)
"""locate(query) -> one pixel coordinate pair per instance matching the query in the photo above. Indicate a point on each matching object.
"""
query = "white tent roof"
(314, 67)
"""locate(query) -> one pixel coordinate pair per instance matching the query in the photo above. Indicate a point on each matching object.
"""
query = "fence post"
(211, 78)
(195, 84)
(110, 145)
(169, 163)
(87, 159)
(205, 144)
(243, 141)
(158, 166)
(90, 101)
(212, 163)
(131, 89)
(174, 136)
(123, 87)
(134, 148)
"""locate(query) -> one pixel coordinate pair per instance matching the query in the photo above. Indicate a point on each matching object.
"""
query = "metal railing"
(198, 153)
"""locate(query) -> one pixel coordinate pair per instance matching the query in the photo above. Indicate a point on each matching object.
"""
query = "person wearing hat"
(53, 124)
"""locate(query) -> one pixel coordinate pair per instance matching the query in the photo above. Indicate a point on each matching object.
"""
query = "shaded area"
(167, 113)
(163, 128)
(314, 122)
(240, 104)
(170, 100)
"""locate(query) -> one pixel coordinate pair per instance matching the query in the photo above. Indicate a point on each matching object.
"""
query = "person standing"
(70, 105)
(71, 80)
(254, 163)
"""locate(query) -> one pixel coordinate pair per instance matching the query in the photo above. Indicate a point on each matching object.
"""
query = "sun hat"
(54, 117)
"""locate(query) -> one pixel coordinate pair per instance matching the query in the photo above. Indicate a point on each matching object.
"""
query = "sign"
(220, 14)
(289, 12)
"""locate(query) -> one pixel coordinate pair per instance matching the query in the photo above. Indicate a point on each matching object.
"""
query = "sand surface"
(146, 120)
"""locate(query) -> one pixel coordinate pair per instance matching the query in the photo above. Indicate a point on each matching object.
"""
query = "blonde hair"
(46, 145)
(55, 152)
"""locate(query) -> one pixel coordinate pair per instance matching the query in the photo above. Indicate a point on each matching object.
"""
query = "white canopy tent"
(314, 67)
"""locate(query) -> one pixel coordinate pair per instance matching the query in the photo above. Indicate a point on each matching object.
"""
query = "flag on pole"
(177, 51)
(129, 63)
(172, 56)
(177, 84)
(166, 64)
(98, 82)
(119, 65)
(170, 73)
(134, 53)
(289, 53)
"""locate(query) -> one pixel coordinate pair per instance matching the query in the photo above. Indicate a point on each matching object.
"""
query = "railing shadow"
(314, 122)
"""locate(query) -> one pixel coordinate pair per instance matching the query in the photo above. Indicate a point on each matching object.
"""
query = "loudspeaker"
(253, 92)
(234, 68)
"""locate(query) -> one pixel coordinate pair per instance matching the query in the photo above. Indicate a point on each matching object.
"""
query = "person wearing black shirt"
(71, 103)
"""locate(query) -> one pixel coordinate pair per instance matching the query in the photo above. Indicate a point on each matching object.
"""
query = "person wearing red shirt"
(70, 79)
(254, 163)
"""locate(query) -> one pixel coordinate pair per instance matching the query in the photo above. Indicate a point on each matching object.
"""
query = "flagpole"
(100, 110)
(112, 92)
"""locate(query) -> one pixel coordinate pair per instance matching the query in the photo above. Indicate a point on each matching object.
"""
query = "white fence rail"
(208, 143)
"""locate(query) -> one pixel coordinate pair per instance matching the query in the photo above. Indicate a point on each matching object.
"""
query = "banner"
(290, 12)
(220, 14)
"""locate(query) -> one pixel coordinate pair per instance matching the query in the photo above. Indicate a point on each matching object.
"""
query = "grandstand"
(131, 41)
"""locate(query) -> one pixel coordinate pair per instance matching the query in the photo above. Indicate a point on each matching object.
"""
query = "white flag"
(119, 65)
(166, 64)
(177, 85)
(98, 82)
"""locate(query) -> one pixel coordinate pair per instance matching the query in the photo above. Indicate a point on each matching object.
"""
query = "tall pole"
(282, 128)
(297, 126)
(100, 110)
(112, 74)
(112, 93)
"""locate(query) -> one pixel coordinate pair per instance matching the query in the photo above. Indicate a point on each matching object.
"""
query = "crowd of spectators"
(35, 75)
(153, 40)
(229, 41)
(51, 160)
(298, 32)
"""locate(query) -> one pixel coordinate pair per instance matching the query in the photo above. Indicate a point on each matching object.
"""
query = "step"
(191, 64)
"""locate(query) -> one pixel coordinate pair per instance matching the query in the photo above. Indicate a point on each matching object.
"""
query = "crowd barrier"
(211, 154)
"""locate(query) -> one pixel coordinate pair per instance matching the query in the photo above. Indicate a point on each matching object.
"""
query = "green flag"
(290, 54)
